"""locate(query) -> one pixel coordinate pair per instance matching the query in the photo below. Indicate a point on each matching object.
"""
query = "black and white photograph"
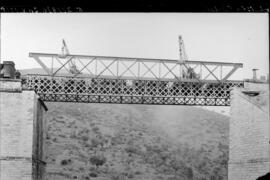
(134, 96)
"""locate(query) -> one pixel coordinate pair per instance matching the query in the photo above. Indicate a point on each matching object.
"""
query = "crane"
(72, 66)
(188, 72)
(182, 52)
(65, 50)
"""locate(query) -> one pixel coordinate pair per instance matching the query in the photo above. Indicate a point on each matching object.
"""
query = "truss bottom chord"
(100, 90)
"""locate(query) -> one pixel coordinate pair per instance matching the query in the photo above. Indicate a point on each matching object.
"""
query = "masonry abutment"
(249, 148)
(21, 132)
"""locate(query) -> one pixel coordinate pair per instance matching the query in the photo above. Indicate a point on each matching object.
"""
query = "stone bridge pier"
(21, 132)
(249, 148)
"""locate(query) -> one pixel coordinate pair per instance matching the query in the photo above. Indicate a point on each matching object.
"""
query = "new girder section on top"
(136, 68)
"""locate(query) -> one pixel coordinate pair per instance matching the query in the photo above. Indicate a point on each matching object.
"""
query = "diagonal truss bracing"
(103, 90)
(134, 68)
(102, 79)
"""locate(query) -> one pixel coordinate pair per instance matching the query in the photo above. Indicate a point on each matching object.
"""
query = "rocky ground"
(139, 142)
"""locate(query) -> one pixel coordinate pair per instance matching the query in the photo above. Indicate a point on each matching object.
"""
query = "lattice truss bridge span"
(101, 79)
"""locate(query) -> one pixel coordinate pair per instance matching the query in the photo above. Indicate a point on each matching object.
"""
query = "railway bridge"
(103, 79)
(100, 79)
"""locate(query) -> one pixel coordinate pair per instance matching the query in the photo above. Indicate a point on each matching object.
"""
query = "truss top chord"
(137, 68)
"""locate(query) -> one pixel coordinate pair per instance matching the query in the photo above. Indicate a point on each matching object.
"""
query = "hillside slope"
(142, 142)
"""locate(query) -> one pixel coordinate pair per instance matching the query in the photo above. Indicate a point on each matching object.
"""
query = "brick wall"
(249, 150)
(12, 169)
(20, 114)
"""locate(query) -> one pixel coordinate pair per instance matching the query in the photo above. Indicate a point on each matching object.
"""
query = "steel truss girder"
(143, 68)
(86, 90)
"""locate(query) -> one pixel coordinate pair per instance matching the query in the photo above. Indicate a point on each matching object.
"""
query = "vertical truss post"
(96, 67)
(117, 69)
(180, 71)
(52, 66)
(220, 72)
(139, 70)
(159, 70)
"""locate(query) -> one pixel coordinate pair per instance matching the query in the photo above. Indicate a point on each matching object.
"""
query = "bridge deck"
(103, 79)
(104, 90)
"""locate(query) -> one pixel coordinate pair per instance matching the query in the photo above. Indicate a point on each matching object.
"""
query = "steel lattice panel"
(86, 90)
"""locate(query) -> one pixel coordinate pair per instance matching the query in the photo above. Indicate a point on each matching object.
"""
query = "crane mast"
(72, 66)
(65, 50)
(182, 57)
(182, 52)
(186, 71)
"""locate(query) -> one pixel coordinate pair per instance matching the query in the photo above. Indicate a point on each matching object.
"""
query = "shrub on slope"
(135, 142)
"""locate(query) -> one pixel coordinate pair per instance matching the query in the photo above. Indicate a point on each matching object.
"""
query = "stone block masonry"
(249, 150)
(21, 133)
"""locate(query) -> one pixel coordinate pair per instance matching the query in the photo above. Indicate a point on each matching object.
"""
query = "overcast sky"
(231, 37)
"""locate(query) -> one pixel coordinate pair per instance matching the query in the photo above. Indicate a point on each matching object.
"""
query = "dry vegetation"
(139, 142)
